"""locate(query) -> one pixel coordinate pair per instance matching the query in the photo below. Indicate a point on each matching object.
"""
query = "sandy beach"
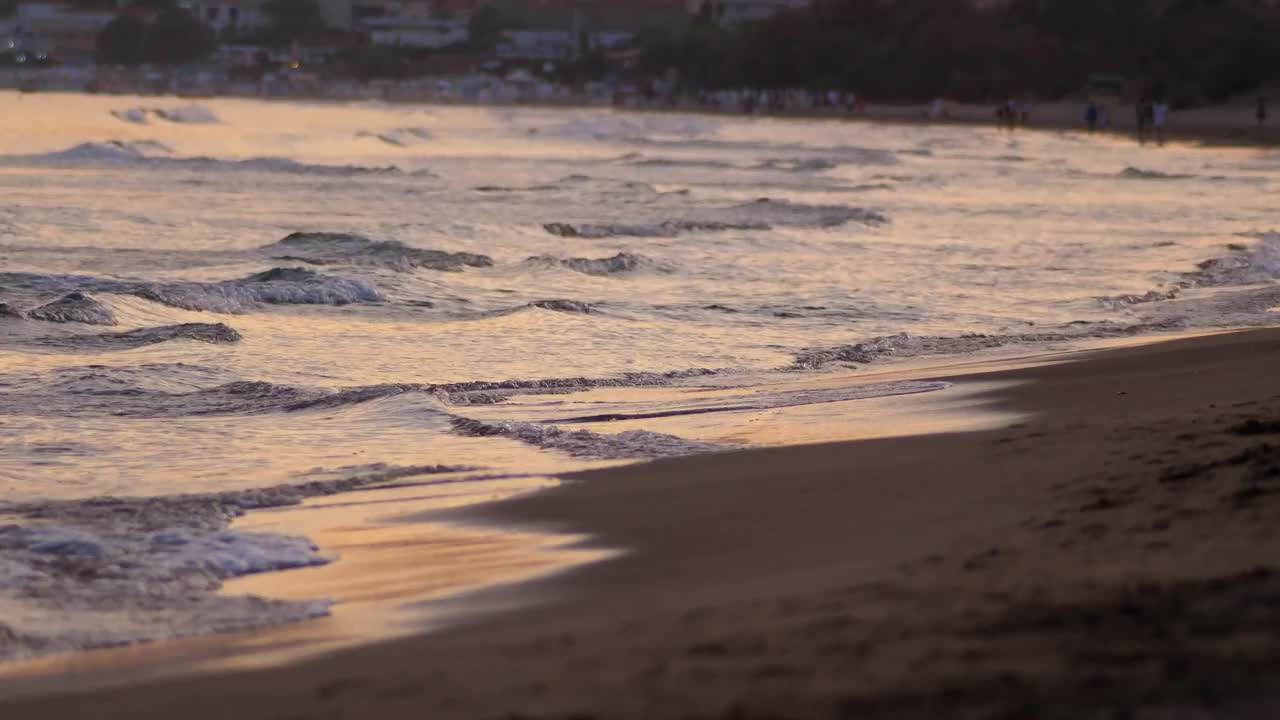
(1231, 123)
(1112, 556)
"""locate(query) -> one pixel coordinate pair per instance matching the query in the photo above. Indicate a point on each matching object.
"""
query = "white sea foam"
(584, 443)
(760, 215)
(152, 154)
(1257, 264)
(106, 572)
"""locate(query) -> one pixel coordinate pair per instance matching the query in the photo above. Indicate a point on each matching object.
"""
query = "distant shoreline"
(1219, 125)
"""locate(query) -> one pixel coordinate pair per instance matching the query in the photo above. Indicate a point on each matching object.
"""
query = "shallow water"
(238, 295)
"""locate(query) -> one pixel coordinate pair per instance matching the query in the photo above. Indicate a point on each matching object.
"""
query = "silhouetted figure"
(1159, 118)
(1091, 115)
(1144, 114)
(1261, 112)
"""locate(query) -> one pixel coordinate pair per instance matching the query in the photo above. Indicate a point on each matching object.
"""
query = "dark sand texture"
(1114, 556)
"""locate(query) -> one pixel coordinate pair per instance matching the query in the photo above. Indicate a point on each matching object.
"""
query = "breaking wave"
(1247, 266)
(212, 333)
(757, 401)
(73, 307)
(110, 571)
(665, 162)
(798, 164)
(1133, 173)
(620, 263)
(762, 214)
(399, 137)
(328, 248)
(278, 286)
(109, 392)
(632, 444)
(572, 307)
(905, 345)
(149, 153)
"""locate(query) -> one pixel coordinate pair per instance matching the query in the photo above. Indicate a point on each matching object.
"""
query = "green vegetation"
(292, 21)
(168, 36)
(1196, 50)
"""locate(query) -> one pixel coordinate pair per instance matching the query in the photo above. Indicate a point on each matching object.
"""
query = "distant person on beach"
(1159, 117)
(1091, 115)
(1143, 114)
(1261, 113)
(1007, 115)
(1024, 113)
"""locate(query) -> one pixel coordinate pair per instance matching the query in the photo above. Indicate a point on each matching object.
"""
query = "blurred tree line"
(156, 32)
(1193, 50)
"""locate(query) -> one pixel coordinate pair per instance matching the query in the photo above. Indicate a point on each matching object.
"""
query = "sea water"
(239, 304)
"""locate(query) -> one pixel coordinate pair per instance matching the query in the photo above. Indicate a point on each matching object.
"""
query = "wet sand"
(1111, 554)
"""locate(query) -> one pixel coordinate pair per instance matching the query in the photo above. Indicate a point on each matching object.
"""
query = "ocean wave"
(101, 392)
(838, 154)
(486, 392)
(632, 444)
(329, 248)
(74, 307)
(149, 153)
(572, 307)
(756, 401)
(762, 214)
(279, 286)
(630, 128)
(664, 229)
(784, 212)
(1134, 173)
(1247, 266)
(798, 164)
(667, 162)
(95, 395)
(187, 115)
(212, 333)
(190, 115)
(111, 151)
(1121, 301)
(515, 189)
(110, 571)
(137, 116)
(398, 137)
(620, 263)
(905, 345)
(275, 286)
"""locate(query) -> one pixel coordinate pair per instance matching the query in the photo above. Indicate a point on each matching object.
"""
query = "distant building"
(420, 32)
(232, 16)
(734, 12)
(558, 44)
(69, 33)
(562, 29)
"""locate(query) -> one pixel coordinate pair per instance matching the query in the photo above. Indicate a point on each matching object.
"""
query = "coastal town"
(531, 50)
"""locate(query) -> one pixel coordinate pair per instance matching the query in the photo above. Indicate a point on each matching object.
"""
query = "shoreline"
(863, 578)
(1223, 125)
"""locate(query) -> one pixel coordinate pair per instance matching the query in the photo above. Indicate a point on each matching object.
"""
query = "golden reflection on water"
(391, 566)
